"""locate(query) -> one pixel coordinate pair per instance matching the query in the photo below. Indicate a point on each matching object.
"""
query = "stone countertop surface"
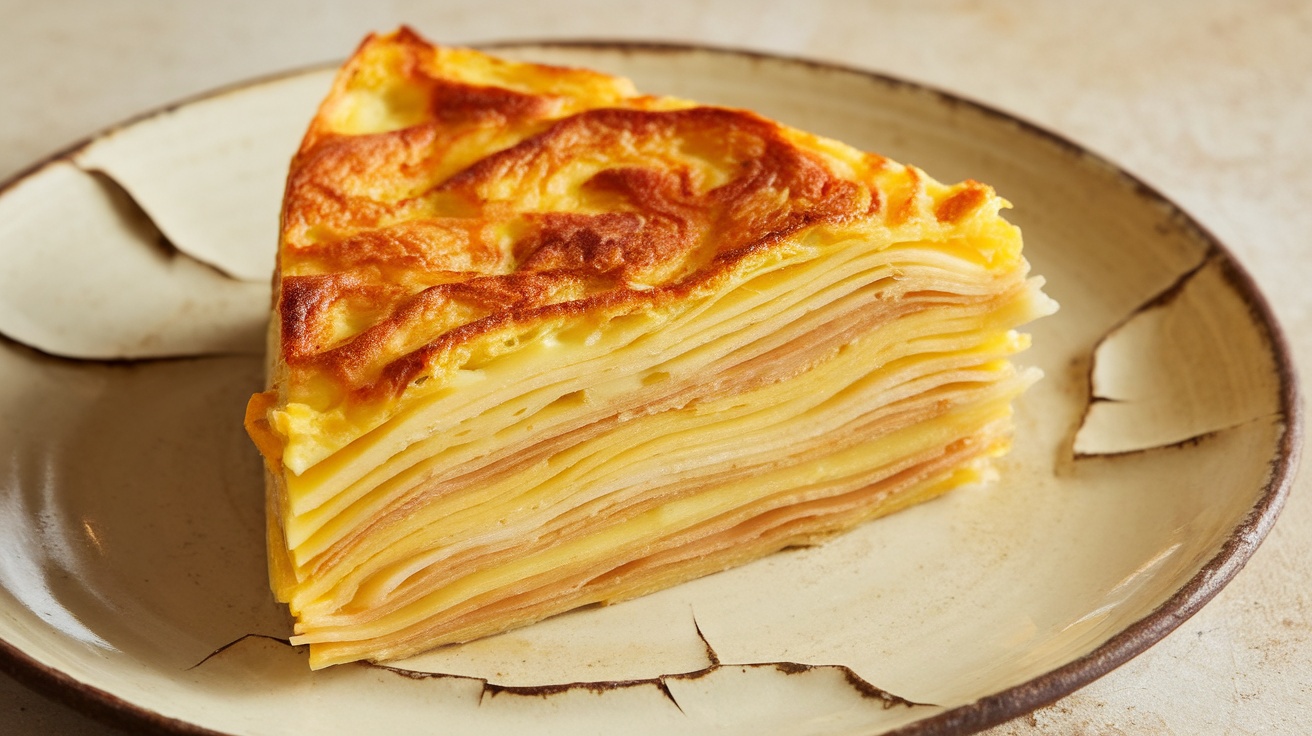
(1209, 101)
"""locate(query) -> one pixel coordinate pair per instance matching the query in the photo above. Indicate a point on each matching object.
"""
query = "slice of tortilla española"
(540, 341)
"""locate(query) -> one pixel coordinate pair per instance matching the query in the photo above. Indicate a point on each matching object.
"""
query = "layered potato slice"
(541, 341)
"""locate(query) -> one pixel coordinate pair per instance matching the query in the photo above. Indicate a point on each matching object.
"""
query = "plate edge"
(972, 717)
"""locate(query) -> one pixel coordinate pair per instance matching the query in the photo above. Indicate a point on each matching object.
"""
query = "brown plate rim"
(970, 718)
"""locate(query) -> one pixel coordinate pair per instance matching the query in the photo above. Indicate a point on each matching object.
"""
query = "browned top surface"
(441, 194)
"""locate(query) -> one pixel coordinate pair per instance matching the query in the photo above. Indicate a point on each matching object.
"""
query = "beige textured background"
(1209, 101)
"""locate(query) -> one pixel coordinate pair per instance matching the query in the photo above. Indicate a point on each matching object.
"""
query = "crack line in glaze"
(157, 241)
(1212, 255)
(1192, 441)
(988, 711)
(14, 343)
(237, 641)
(859, 684)
(1162, 299)
(107, 179)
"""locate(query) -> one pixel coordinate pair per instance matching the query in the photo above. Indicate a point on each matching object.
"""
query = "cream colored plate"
(1149, 464)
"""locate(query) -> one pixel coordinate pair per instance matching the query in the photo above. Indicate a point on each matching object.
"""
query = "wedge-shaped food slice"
(541, 341)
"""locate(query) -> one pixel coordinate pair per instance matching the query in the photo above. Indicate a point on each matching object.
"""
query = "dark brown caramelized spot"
(653, 227)
(607, 244)
(426, 246)
(451, 313)
(307, 305)
(575, 213)
(337, 186)
(962, 203)
(454, 103)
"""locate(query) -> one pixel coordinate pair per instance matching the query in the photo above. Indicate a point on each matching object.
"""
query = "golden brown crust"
(966, 200)
(470, 206)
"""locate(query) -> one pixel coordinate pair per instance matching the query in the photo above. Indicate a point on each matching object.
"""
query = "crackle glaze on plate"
(1149, 463)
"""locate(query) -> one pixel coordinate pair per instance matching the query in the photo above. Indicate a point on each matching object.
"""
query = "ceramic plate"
(1149, 462)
